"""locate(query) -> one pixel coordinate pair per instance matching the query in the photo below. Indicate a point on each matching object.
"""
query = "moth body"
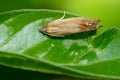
(63, 27)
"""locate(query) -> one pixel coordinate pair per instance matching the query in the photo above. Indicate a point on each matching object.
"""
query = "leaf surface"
(93, 54)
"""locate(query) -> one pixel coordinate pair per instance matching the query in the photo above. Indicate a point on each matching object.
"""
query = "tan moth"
(62, 27)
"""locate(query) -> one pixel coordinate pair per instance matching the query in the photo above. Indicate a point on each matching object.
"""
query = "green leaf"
(93, 54)
(18, 74)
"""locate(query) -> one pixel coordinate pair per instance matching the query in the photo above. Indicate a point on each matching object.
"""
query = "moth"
(62, 27)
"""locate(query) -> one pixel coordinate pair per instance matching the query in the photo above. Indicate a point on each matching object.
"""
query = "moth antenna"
(63, 15)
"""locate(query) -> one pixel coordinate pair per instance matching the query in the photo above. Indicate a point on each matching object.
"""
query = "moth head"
(48, 29)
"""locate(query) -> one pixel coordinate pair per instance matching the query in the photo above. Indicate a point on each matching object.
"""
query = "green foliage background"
(107, 11)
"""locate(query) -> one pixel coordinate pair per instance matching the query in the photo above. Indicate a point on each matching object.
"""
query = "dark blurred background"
(106, 10)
